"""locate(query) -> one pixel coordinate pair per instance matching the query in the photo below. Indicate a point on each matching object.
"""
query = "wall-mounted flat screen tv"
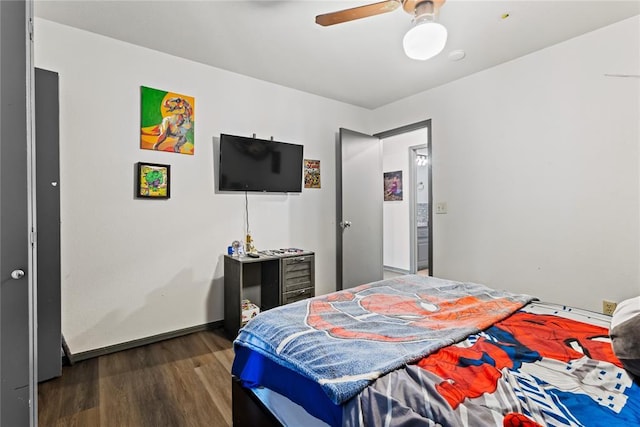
(251, 164)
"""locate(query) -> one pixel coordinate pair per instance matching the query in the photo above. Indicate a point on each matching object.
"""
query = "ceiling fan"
(425, 39)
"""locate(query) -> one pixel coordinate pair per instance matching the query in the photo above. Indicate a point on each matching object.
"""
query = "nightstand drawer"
(289, 285)
(299, 263)
(297, 278)
(296, 274)
(297, 259)
(289, 297)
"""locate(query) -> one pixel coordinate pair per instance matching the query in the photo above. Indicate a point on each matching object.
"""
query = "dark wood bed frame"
(248, 410)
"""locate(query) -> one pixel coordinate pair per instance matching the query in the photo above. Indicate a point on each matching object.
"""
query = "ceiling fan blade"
(357, 12)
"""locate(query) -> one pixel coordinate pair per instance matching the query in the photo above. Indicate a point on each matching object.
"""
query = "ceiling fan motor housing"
(422, 7)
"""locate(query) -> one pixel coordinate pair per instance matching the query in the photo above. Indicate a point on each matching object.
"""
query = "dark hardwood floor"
(185, 381)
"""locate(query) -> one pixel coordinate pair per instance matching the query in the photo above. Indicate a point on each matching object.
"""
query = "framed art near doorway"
(392, 186)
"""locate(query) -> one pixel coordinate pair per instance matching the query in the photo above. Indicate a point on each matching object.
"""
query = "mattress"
(286, 412)
(263, 375)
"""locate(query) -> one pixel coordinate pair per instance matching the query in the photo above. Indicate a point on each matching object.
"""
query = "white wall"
(537, 160)
(134, 268)
(396, 214)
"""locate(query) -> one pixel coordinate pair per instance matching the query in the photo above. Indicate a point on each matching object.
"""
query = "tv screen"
(251, 164)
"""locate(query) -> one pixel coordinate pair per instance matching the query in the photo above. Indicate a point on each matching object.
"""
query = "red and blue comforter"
(535, 368)
(345, 340)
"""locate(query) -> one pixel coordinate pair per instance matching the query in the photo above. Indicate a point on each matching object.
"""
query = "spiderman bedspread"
(527, 370)
(346, 339)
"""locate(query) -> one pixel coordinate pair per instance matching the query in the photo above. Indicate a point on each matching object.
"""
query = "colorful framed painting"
(167, 121)
(392, 186)
(311, 173)
(153, 181)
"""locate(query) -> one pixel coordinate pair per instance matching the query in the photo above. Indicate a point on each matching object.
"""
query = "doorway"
(407, 229)
(362, 246)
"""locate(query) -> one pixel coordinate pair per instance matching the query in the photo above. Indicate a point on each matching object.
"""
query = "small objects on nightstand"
(291, 251)
(253, 255)
(249, 245)
(236, 248)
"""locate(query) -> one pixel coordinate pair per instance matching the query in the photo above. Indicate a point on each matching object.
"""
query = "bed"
(417, 350)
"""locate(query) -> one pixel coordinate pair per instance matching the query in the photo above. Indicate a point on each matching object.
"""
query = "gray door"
(14, 236)
(48, 220)
(359, 209)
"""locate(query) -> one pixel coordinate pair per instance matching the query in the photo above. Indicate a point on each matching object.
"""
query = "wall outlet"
(441, 207)
(608, 307)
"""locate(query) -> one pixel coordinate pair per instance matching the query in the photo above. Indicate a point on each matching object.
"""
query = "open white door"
(359, 209)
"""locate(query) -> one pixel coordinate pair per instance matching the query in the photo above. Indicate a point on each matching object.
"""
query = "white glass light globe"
(425, 40)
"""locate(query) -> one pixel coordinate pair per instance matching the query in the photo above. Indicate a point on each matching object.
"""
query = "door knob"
(345, 224)
(17, 274)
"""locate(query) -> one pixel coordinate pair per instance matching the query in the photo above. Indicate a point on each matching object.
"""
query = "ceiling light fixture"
(427, 37)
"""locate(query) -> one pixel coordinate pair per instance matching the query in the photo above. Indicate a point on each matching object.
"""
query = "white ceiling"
(359, 62)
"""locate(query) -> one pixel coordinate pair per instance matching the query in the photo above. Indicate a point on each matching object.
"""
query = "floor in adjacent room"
(185, 381)
(388, 274)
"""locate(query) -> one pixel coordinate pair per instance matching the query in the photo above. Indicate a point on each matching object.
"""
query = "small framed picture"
(311, 173)
(153, 181)
(392, 186)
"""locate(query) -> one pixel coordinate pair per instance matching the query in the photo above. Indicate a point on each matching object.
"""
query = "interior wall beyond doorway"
(397, 213)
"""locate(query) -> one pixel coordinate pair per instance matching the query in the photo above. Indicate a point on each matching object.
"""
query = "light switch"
(441, 208)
